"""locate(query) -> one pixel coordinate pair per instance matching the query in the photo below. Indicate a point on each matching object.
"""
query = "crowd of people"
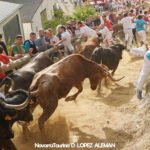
(131, 14)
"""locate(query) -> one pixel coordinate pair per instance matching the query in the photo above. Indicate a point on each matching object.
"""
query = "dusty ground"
(115, 116)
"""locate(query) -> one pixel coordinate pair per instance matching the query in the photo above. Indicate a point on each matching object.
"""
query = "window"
(43, 17)
(11, 30)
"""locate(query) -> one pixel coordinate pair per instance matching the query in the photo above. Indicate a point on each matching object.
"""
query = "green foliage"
(82, 13)
(56, 21)
(8, 44)
(58, 18)
(58, 13)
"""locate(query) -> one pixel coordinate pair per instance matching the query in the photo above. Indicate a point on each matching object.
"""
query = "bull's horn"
(6, 80)
(16, 107)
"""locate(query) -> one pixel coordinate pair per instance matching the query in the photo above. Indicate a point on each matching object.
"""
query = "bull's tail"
(115, 80)
(107, 74)
(106, 77)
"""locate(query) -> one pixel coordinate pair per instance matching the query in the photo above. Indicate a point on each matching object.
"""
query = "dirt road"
(115, 116)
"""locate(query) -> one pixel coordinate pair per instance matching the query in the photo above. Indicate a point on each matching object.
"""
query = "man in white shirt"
(127, 28)
(106, 35)
(144, 74)
(66, 40)
(50, 38)
(85, 31)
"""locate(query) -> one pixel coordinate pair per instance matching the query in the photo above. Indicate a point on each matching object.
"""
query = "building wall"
(36, 21)
(27, 27)
(2, 24)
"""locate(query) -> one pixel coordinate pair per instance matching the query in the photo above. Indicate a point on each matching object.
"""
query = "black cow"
(22, 78)
(14, 107)
(109, 57)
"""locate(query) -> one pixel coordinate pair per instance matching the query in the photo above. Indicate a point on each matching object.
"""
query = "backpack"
(31, 46)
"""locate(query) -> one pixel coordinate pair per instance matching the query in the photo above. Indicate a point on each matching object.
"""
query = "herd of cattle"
(42, 82)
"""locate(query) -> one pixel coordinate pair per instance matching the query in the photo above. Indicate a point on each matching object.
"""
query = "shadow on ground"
(119, 138)
(119, 95)
(134, 59)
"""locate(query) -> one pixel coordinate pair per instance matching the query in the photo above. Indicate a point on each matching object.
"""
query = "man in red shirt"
(4, 60)
(146, 18)
(148, 11)
(107, 23)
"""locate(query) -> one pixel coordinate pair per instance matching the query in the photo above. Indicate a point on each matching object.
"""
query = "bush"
(82, 13)
(58, 18)
(58, 13)
(54, 22)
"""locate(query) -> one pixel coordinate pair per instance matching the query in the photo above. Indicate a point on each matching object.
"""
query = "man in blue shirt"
(140, 23)
(144, 74)
(41, 42)
(30, 45)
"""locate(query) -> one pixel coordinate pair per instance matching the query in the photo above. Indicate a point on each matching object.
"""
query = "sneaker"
(139, 94)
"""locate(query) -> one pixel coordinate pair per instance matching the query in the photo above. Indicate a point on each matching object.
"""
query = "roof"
(6, 9)
(29, 8)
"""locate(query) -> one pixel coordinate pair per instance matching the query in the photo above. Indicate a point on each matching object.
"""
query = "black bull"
(109, 57)
(22, 78)
(14, 107)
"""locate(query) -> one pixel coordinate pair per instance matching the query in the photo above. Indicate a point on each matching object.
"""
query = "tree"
(58, 18)
(82, 13)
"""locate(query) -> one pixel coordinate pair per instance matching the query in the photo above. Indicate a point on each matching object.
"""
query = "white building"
(34, 13)
(10, 21)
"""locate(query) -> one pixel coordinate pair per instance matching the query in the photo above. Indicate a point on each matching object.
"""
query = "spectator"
(97, 21)
(51, 39)
(127, 28)
(133, 26)
(90, 22)
(85, 31)
(41, 42)
(2, 43)
(133, 10)
(140, 29)
(17, 49)
(148, 11)
(4, 61)
(146, 18)
(107, 23)
(113, 17)
(144, 74)
(65, 40)
(58, 34)
(3, 57)
(106, 35)
(30, 44)
(71, 25)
